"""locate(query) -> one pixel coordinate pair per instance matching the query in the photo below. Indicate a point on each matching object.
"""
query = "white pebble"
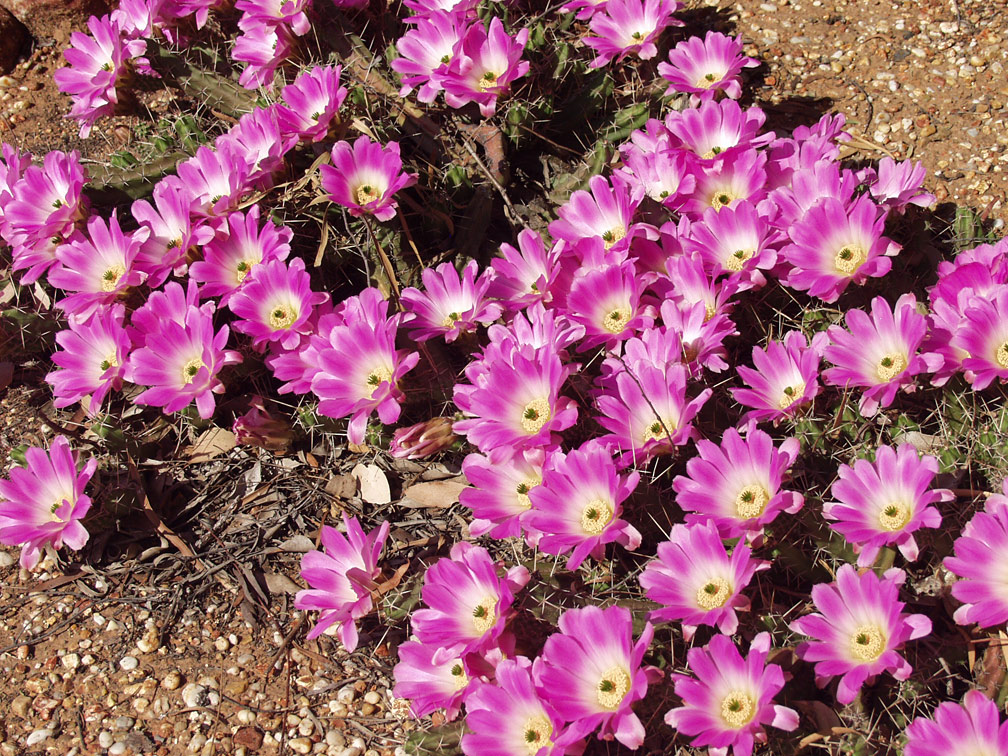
(221, 644)
(98, 619)
(128, 663)
(372, 697)
(112, 626)
(300, 745)
(172, 680)
(117, 749)
(346, 694)
(192, 695)
(71, 661)
(105, 739)
(38, 736)
(197, 742)
(246, 716)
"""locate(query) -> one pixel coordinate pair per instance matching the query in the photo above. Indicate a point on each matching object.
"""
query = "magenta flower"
(884, 502)
(216, 179)
(99, 269)
(713, 130)
(43, 503)
(238, 248)
(898, 185)
(263, 47)
(469, 604)
(629, 27)
(704, 67)
(695, 580)
(180, 361)
(511, 718)
(784, 379)
(364, 178)
(973, 728)
(607, 301)
(260, 143)
(731, 700)
(591, 673)
(835, 245)
(516, 404)
(606, 213)
(486, 64)
(263, 427)
(174, 230)
(737, 485)
(289, 13)
(879, 352)
(739, 176)
(578, 505)
(449, 305)
(521, 277)
(426, 51)
(311, 103)
(342, 576)
(358, 371)
(859, 630)
(738, 241)
(664, 174)
(702, 336)
(499, 494)
(982, 337)
(275, 303)
(422, 439)
(92, 360)
(433, 678)
(982, 590)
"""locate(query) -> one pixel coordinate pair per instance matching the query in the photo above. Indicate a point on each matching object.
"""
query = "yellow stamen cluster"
(458, 674)
(450, 320)
(738, 709)
(366, 193)
(722, 198)
(282, 317)
(751, 501)
(737, 259)
(615, 320)
(378, 376)
(708, 80)
(190, 369)
(849, 259)
(868, 643)
(613, 235)
(535, 415)
(890, 366)
(595, 516)
(713, 594)
(1001, 355)
(242, 269)
(111, 277)
(613, 686)
(657, 431)
(536, 733)
(894, 516)
(523, 492)
(487, 81)
(485, 614)
(791, 394)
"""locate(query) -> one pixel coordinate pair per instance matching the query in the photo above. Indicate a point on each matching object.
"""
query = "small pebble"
(372, 697)
(172, 680)
(123, 723)
(221, 644)
(197, 742)
(246, 716)
(192, 695)
(346, 694)
(128, 663)
(117, 749)
(38, 736)
(70, 661)
(105, 739)
(300, 745)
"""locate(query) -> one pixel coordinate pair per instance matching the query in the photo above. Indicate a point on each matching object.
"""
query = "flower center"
(282, 317)
(868, 642)
(190, 369)
(523, 492)
(712, 153)
(890, 366)
(378, 376)
(894, 516)
(450, 320)
(706, 81)
(713, 594)
(535, 415)
(722, 199)
(536, 733)
(111, 277)
(485, 614)
(1001, 355)
(737, 259)
(615, 320)
(657, 431)
(367, 194)
(613, 687)
(751, 501)
(849, 259)
(242, 269)
(738, 708)
(613, 235)
(791, 394)
(109, 362)
(459, 677)
(596, 515)
(487, 81)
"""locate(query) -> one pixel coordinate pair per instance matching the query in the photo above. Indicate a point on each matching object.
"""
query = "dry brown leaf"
(341, 486)
(435, 494)
(211, 443)
(374, 486)
(279, 583)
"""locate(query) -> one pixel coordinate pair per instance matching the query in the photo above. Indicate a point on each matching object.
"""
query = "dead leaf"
(374, 486)
(279, 583)
(299, 544)
(435, 494)
(211, 443)
(341, 486)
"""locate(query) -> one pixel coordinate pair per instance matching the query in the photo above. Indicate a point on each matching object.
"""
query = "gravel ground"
(917, 79)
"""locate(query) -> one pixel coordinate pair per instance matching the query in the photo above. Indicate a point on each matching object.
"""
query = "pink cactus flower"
(422, 439)
(238, 248)
(973, 728)
(578, 505)
(859, 630)
(521, 277)
(714, 130)
(664, 174)
(737, 241)
(739, 176)
(92, 360)
(263, 427)
(43, 503)
(511, 718)
(216, 179)
(702, 336)
(260, 142)
(836, 245)
(591, 673)
(434, 678)
(737, 485)
(629, 27)
(426, 51)
(608, 301)
(364, 178)
(898, 185)
(885, 501)
(499, 495)
(696, 581)
(878, 352)
(469, 604)
(606, 212)
(982, 544)
(341, 578)
(180, 361)
(311, 103)
(275, 303)
(705, 67)
(785, 377)
(174, 230)
(982, 338)
(450, 304)
(263, 47)
(730, 701)
(485, 66)
(289, 13)
(97, 270)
